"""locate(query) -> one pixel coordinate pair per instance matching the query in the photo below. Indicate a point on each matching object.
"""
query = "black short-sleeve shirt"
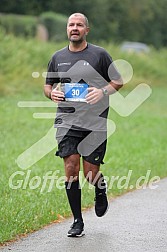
(89, 66)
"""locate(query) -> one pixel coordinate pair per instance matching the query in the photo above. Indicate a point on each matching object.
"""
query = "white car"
(136, 47)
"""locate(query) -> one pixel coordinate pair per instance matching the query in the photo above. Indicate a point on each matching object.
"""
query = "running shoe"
(76, 230)
(101, 202)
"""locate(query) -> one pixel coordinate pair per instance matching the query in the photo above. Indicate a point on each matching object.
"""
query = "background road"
(136, 221)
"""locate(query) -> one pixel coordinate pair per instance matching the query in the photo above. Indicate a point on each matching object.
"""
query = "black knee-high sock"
(74, 197)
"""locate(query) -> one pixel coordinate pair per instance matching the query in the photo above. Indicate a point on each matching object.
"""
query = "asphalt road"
(135, 222)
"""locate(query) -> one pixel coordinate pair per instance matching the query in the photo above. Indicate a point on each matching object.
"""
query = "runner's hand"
(94, 95)
(57, 95)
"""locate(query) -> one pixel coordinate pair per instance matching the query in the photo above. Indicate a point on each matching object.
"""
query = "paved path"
(135, 222)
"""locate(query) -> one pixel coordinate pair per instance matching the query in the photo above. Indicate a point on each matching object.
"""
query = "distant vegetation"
(115, 20)
(27, 26)
(20, 57)
(19, 25)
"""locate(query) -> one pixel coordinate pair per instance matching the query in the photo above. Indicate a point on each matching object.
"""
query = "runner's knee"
(72, 167)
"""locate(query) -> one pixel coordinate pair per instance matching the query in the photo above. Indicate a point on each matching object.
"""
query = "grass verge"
(138, 145)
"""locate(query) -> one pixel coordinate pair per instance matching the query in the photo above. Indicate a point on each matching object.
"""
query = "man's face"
(77, 29)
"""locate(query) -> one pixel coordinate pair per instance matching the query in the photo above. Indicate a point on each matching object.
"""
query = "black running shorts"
(90, 145)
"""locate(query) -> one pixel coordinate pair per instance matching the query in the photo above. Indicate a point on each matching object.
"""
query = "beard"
(77, 40)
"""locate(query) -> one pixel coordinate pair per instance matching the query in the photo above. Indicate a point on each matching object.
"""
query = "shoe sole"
(73, 235)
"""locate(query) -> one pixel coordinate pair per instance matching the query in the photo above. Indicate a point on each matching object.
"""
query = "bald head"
(81, 16)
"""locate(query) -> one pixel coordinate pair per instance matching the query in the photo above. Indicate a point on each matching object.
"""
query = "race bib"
(76, 91)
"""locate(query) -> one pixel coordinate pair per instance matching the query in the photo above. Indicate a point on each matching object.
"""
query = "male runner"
(86, 78)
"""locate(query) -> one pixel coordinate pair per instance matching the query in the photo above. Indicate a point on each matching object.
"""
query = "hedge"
(55, 24)
(19, 25)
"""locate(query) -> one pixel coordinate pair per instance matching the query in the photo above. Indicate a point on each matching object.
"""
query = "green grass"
(139, 143)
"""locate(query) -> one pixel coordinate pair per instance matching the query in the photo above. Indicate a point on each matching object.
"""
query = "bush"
(55, 24)
(19, 25)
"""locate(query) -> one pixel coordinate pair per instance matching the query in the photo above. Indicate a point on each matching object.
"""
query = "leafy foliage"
(115, 20)
(55, 24)
(20, 25)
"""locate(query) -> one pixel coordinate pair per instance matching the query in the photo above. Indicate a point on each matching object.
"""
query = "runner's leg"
(72, 167)
(92, 174)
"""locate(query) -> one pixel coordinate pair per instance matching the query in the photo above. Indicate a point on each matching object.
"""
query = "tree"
(115, 20)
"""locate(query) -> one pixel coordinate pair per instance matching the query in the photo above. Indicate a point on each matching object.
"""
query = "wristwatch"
(105, 91)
